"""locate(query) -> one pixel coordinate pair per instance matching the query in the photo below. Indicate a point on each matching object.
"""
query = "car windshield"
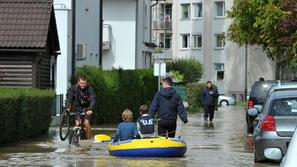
(284, 107)
(261, 90)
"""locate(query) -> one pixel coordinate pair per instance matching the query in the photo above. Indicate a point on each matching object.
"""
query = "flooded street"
(223, 143)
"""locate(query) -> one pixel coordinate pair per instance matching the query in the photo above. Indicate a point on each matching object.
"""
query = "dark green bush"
(22, 111)
(191, 69)
(117, 90)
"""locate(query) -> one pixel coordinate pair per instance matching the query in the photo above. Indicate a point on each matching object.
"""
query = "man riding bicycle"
(84, 98)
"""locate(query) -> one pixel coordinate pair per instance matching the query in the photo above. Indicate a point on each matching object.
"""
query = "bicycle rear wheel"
(74, 137)
(64, 125)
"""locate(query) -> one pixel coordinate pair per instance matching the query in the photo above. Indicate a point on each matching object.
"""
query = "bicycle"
(78, 133)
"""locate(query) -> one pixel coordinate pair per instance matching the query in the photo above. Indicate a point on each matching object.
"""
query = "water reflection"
(220, 143)
(208, 125)
(249, 147)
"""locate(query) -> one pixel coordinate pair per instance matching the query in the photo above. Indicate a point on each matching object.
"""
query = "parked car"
(224, 100)
(276, 123)
(290, 159)
(258, 95)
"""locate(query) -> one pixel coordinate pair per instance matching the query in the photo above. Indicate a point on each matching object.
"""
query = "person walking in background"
(209, 98)
(167, 104)
(127, 130)
(84, 97)
(145, 123)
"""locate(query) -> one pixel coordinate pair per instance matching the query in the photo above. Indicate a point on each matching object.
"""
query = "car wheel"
(256, 159)
(224, 103)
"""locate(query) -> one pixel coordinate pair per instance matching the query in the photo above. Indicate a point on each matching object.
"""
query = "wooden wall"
(24, 69)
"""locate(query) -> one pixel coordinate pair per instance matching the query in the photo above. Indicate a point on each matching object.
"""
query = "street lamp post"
(245, 72)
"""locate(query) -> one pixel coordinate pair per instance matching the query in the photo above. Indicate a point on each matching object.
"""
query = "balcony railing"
(162, 25)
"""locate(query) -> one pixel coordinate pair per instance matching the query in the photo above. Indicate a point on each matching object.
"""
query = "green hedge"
(119, 89)
(24, 113)
(193, 96)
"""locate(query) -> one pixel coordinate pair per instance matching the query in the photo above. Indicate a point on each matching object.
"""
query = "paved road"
(222, 143)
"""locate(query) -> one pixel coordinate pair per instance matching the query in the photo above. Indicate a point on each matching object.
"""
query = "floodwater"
(222, 143)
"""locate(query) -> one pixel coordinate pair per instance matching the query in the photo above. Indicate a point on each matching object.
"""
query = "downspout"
(73, 37)
(136, 34)
(100, 31)
(151, 27)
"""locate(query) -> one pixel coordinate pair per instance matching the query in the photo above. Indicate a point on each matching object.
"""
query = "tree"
(191, 69)
(269, 23)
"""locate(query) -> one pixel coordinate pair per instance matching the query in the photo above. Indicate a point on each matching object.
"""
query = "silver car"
(224, 100)
(276, 123)
(290, 159)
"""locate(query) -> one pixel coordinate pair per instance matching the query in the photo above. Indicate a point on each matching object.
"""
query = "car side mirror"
(253, 112)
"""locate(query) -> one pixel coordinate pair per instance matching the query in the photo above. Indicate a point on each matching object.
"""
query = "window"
(185, 40)
(197, 41)
(219, 68)
(220, 41)
(185, 11)
(220, 75)
(197, 10)
(220, 8)
(168, 40)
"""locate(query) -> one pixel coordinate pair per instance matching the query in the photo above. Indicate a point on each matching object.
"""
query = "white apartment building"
(162, 27)
(199, 30)
(127, 32)
(126, 36)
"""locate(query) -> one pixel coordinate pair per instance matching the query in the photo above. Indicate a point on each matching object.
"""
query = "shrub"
(193, 96)
(119, 89)
(191, 69)
(23, 109)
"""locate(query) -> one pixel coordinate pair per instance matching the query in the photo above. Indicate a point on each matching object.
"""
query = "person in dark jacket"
(84, 97)
(167, 104)
(209, 98)
(145, 123)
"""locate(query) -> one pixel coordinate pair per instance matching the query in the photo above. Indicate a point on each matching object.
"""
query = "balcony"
(162, 25)
(162, 54)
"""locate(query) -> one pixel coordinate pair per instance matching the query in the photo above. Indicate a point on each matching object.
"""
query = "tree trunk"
(277, 69)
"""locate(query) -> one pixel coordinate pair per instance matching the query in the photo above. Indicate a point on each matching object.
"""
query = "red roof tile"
(24, 23)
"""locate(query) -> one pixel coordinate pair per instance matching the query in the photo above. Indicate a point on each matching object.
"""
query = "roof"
(26, 24)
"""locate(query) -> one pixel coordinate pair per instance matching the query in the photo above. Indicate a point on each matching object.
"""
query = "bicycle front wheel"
(64, 125)
(74, 137)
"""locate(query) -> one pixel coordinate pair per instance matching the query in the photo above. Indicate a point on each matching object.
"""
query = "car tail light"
(268, 123)
(250, 104)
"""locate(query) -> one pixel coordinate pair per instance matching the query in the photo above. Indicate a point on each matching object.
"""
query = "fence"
(180, 90)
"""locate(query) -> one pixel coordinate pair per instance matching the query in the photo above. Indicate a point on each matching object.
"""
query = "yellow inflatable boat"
(148, 147)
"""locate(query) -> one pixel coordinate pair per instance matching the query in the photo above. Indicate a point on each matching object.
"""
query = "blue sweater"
(127, 131)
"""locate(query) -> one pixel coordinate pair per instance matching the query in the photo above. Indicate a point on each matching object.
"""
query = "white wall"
(87, 30)
(63, 15)
(121, 16)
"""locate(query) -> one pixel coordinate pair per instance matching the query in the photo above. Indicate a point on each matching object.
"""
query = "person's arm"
(217, 93)
(136, 134)
(154, 106)
(92, 99)
(70, 98)
(181, 109)
(202, 97)
(118, 134)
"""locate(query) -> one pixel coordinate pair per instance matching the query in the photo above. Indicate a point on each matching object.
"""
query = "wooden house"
(29, 43)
